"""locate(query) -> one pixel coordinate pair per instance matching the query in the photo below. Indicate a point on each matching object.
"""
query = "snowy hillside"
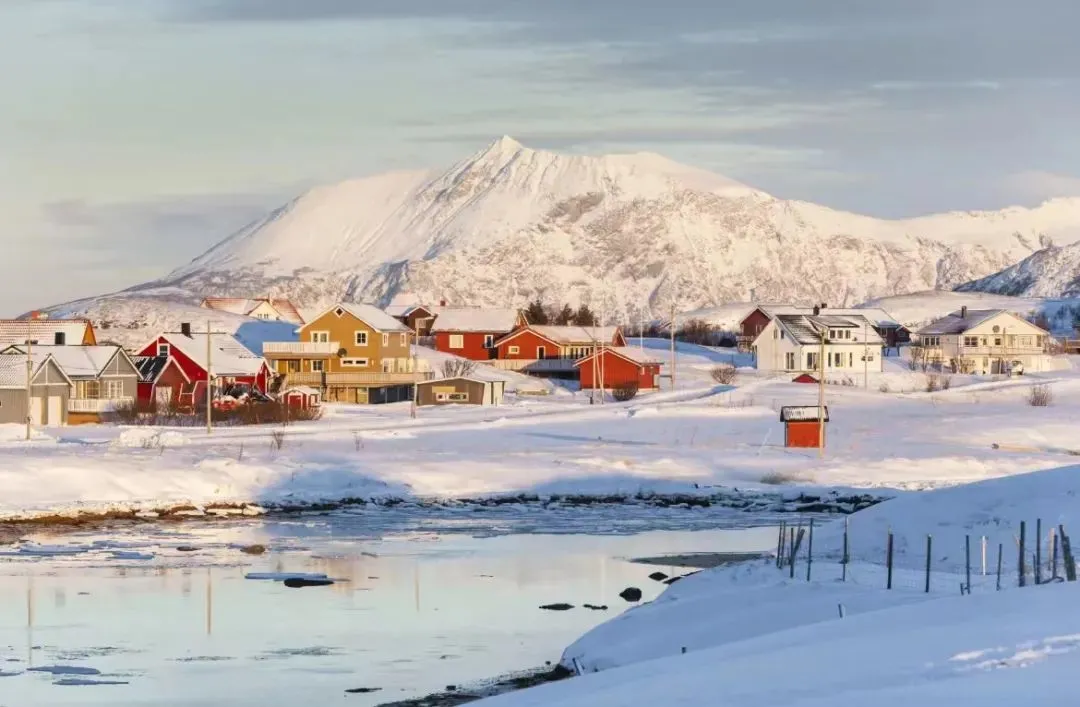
(628, 234)
(1051, 272)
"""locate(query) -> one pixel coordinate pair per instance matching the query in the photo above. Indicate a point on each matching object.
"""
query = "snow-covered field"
(758, 637)
(696, 439)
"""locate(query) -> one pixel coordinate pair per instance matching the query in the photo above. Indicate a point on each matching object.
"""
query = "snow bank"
(149, 438)
(13, 433)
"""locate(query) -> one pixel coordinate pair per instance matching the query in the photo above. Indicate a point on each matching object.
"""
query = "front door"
(56, 410)
(163, 396)
(541, 352)
(36, 406)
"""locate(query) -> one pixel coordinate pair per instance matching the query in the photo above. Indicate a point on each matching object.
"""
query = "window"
(318, 366)
(388, 365)
(385, 339)
(541, 352)
(360, 338)
(339, 311)
(971, 341)
(404, 339)
(320, 337)
(812, 361)
(89, 390)
(834, 334)
(837, 360)
(513, 350)
(850, 359)
(789, 360)
(354, 362)
(450, 397)
(457, 341)
(489, 341)
(262, 316)
(458, 396)
(781, 333)
(114, 389)
(847, 333)
(162, 349)
(931, 341)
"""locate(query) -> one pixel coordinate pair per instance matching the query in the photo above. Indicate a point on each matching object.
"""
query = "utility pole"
(821, 392)
(603, 380)
(673, 346)
(209, 380)
(416, 372)
(29, 377)
(865, 353)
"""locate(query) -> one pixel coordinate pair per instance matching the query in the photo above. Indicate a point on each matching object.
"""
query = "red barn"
(619, 367)
(471, 332)
(229, 360)
(161, 380)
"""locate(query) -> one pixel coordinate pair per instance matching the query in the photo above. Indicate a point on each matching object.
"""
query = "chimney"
(442, 303)
(185, 329)
(59, 338)
(963, 312)
(824, 306)
(817, 310)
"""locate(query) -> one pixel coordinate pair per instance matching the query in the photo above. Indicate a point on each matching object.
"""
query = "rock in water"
(253, 549)
(557, 607)
(594, 607)
(631, 594)
(297, 582)
(658, 576)
(363, 690)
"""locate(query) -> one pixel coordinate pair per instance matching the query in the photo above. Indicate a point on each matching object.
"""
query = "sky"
(134, 134)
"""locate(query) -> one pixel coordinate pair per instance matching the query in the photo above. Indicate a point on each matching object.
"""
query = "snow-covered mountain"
(1050, 272)
(628, 234)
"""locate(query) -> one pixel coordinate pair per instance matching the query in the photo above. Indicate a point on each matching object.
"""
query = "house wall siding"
(476, 390)
(472, 344)
(529, 344)
(615, 371)
(343, 330)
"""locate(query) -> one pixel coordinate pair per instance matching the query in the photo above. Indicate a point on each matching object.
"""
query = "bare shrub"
(277, 439)
(917, 354)
(624, 392)
(933, 383)
(1040, 396)
(698, 331)
(458, 368)
(884, 388)
(358, 440)
(946, 381)
(723, 373)
(779, 478)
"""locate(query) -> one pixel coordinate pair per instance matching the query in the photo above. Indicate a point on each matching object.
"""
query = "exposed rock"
(298, 582)
(631, 594)
(658, 576)
(557, 607)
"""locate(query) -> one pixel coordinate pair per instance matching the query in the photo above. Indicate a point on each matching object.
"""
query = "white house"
(792, 343)
(984, 341)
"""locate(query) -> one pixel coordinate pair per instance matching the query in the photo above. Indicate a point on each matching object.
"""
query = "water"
(423, 602)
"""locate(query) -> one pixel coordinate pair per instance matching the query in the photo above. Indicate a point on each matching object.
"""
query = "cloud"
(1037, 184)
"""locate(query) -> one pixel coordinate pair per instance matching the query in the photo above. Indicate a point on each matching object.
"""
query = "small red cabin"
(301, 397)
(803, 425)
(619, 367)
(161, 380)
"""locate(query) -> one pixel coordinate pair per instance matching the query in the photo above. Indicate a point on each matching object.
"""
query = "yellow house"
(353, 353)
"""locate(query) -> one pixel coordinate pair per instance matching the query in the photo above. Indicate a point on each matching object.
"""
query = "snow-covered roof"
(803, 328)
(471, 377)
(17, 331)
(956, 324)
(404, 310)
(369, 314)
(575, 334)
(877, 316)
(244, 306)
(228, 357)
(631, 353)
(13, 370)
(302, 389)
(77, 361)
(475, 319)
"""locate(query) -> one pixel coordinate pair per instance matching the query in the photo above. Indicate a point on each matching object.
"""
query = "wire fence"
(1031, 554)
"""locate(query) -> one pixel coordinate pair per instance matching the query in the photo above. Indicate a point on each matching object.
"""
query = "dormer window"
(339, 311)
(162, 349)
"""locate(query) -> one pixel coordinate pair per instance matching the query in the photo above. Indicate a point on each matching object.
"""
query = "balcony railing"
(97, 404)
(311, 348)
(331, 380)
(536, 365)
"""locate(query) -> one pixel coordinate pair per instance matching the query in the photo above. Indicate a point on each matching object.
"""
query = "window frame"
(456, 342)
(319, 336)
(164, 349)
(355, 362)
(361, 338)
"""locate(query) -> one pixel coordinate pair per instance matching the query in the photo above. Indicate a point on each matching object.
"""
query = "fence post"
(846, 558)
(1020, 565)
(1000, 548)
(967, 563)
(795, 550)
(791, 545)
(780, 545)
(1053, 553)
(1038, 551)
(810, 550)
(888, 561)
(984, 555)
(1066, 554)
(928, 551)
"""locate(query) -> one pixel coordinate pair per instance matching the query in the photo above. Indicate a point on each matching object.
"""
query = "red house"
(230, 362)
(552, 350)
(471, 332)
(161, 381)
(619, 367)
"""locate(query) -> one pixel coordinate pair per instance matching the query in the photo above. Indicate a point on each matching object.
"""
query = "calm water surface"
(423, 602)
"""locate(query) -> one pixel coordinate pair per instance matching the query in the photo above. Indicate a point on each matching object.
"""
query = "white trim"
(457, 341)
(385, 339)
(361, 333)
(315, 339)
(354, 362)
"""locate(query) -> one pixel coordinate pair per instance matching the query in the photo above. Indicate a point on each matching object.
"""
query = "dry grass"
(724, 373)
(625, 392)
(1040, 396)
(782, 478)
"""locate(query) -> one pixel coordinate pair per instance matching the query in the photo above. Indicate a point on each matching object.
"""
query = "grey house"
(104, 377)
(50, 390)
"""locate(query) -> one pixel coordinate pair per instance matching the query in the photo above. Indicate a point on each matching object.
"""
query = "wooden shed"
(460, 391)
(301, 397)
(803, 425)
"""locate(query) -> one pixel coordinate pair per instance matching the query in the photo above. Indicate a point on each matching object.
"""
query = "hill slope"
(1050, 272)
(630, 234)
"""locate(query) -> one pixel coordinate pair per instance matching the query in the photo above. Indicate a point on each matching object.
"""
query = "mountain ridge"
(628, 234)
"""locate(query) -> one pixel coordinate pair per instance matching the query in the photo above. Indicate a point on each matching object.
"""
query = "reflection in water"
(411, 613)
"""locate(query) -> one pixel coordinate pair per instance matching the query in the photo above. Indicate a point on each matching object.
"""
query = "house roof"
(955, 324)
(303, 389)
(470, 378)
(404, 310)
(151, 367)
(244, 306)
(474, 319)
(371, 315)
(804, 328)
(77, 361)
(228, 357)
(16, 331)
(630, 353)
(13, 370)
(576, 334)
(875, 315)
